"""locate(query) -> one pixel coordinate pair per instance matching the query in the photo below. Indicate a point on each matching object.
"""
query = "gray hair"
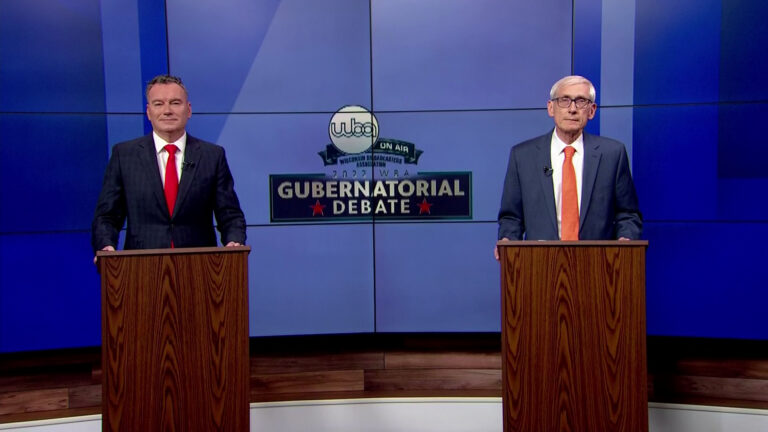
(165, 79)
(573, 80)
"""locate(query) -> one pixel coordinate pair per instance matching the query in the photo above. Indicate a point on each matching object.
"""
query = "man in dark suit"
(532, 200)
(137, 183)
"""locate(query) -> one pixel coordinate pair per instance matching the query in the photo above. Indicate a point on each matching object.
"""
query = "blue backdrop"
(679, 83)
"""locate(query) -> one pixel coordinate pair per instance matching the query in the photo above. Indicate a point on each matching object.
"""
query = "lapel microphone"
(548, 171)
(185, 165)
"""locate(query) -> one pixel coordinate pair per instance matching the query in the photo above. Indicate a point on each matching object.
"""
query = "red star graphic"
(424, 207)
(317, 209)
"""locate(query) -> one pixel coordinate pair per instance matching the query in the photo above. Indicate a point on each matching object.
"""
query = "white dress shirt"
(162, 154)
(557, 157)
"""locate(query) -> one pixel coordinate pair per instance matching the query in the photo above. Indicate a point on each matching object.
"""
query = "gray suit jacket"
(608, 208)
(133, 190)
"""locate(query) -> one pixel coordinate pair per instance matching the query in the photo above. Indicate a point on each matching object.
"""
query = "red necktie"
(171, 178)
(570, 210)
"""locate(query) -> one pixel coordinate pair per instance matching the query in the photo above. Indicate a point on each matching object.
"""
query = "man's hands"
(111, 248)
(496, 250)
(105, 248)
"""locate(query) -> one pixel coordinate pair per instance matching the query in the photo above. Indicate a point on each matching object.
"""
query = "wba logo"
(351, 189)
(353, 129)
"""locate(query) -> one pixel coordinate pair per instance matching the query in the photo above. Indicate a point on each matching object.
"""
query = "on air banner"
(316, 197)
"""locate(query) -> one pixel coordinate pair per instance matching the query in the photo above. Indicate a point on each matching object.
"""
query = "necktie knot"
(171, 149)
(569, 151)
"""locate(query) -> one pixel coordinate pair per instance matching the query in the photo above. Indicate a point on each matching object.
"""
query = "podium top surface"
(174, 251)
(573, 243)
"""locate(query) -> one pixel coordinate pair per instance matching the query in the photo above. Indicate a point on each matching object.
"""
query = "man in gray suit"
(136, 183)
(531, 202)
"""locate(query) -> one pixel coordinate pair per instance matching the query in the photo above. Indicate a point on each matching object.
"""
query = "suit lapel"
(188, 169)
(544, 159)
(148, 156)
(591, 163)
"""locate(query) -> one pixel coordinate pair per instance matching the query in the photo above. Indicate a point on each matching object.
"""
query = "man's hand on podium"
(496, 250)
(105, 248)
(111, 248)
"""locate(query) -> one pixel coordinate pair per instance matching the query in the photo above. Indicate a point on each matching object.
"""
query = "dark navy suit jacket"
(133, 190)
(608, 208)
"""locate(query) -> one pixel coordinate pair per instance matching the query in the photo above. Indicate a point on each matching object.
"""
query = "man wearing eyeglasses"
(568, 184)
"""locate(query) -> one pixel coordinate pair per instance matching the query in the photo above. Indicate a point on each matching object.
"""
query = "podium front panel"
(573, 336)
(175, 340)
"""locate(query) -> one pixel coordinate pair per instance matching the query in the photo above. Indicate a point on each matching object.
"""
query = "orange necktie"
(570, 211)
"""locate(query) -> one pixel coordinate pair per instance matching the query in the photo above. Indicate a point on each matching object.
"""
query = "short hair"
(165, 79)
(572, 80)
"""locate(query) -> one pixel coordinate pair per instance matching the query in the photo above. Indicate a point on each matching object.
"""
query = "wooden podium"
(573, 336)
(175, 339)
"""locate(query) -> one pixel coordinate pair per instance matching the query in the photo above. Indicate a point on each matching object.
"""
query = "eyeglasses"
(565, 102)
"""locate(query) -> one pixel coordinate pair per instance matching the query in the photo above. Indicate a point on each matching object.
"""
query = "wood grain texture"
(85, 396)
(33, 400)
(308, 382)
(728, 367)
(573, 337)
(269, 364)
(432, 379)
(23, 416)
(175, 341)
(65, 377)
(672, 360)
(717, 387)
(442, 360)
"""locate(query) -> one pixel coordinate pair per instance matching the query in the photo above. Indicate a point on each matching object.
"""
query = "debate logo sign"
(368, 177)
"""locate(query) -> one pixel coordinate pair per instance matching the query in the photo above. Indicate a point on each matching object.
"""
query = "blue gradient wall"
(699, 102)
(678, 83)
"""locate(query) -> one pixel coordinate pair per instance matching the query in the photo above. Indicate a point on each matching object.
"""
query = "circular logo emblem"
(353, 129)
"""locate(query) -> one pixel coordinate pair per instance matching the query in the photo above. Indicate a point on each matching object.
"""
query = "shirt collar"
(558, 145)
(160, 143)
